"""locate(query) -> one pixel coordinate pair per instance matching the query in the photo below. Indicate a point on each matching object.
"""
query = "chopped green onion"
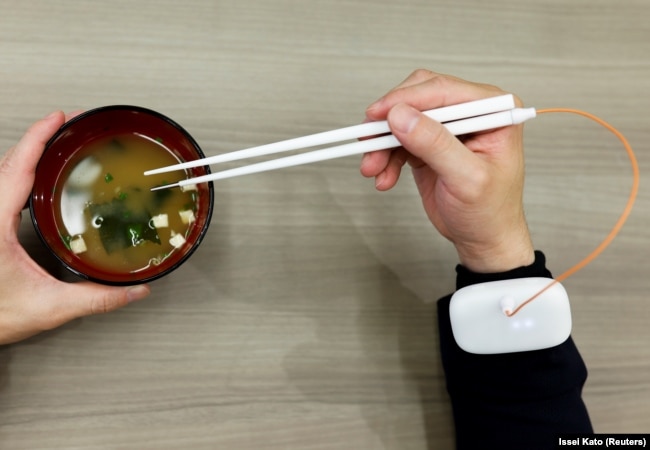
(66, 240)
(108, 177)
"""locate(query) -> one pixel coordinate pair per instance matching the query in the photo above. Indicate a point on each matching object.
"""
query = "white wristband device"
(481, 325)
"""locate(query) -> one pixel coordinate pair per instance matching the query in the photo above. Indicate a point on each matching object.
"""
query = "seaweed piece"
(159, 197)
(115, 144)
(120, 227)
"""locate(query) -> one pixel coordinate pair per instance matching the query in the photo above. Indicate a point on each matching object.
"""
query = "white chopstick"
(460, 127)
(478, 121)
(442, 115)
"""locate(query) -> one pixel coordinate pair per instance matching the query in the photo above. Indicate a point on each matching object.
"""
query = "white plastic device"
(481, 325)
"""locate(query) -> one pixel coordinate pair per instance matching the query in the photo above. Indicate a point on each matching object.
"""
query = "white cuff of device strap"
(481, 323)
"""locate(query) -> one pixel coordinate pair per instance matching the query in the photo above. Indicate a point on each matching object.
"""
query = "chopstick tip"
(155, 171)
(165, 186)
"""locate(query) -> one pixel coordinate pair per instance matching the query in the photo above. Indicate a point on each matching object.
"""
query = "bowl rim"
(184, 257)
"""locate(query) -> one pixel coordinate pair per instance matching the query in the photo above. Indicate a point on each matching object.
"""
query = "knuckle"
(418, 76)
(496, 90)
(491, 87)
(99, 306)
(422, 74)
(439, 139)
(399, 158)
(518, 101)
(442, 82)
(104, 303)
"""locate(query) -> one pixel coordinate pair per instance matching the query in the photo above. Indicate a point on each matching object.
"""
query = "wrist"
(537, 269)
(507, 254)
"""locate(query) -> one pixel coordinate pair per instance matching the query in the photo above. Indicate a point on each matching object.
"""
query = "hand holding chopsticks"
(464, 118)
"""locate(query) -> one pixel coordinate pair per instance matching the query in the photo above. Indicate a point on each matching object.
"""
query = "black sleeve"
(517, 400)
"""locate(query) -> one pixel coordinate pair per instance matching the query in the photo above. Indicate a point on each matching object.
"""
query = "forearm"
(515, 400)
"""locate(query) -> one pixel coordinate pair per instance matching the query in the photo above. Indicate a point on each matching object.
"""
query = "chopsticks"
(464, 118)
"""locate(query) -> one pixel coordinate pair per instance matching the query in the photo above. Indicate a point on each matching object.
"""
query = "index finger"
(428, 92)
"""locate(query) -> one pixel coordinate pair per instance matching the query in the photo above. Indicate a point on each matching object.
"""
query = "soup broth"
(109, 218)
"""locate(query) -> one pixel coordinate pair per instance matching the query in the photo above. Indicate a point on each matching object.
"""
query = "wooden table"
(306, 320)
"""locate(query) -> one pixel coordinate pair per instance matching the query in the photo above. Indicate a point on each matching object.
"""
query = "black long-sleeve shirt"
(521, 400)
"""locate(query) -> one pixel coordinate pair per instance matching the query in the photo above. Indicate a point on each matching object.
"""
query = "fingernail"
(373, 105)
(379, 180)
(51, 115)
(370, 110)
(365, 158)
(137, 293)
(403, 118)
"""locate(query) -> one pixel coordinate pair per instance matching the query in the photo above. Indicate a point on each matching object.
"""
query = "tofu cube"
(187, 216)
(160, 221)
(78, 245)
(177, 240)
(189, 187)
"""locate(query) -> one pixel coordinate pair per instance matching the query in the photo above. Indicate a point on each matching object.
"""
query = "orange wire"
(621, 220)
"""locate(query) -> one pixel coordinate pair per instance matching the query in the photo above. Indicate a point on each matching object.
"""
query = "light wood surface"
(306, 320)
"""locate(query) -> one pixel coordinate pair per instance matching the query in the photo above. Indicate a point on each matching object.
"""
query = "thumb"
(86, 298)
(432, 143)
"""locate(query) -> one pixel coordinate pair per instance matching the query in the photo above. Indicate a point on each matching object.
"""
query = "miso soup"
(109, 218)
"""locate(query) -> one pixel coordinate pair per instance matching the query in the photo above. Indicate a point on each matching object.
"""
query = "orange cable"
(621, 220)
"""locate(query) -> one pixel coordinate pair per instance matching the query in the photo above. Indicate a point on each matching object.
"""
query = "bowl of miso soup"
(94, 209)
